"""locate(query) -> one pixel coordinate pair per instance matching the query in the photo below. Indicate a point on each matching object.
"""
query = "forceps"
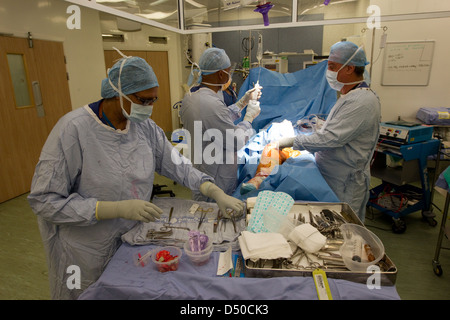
(203, 215)
(167, 226)
(164, 232)
(161, 234)
(216, 223)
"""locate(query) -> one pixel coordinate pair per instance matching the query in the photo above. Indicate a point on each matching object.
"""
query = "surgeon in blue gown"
(345, 144)
(95, 177)
(215, 138)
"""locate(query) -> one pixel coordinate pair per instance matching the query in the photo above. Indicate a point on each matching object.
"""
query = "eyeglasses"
(145, 102)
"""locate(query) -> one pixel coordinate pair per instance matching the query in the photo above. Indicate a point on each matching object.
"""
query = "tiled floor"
(23, 270)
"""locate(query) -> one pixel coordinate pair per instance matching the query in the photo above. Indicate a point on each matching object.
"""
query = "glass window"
(212, 13)
(19, 78)
(347, 9)
(329, 10)
(162, 11)
(204, 14)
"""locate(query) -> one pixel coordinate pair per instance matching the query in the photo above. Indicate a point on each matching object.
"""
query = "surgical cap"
(137, 75)
(342, 51)
(213, 60)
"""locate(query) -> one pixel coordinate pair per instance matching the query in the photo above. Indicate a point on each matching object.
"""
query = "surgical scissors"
(295, 261)
(220, 218)
(232, 218)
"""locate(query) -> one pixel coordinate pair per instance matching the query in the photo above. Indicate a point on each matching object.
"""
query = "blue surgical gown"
(345, 144)
(213, 148)
(84, 161)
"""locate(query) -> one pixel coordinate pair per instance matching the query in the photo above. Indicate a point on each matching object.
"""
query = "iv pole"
(373, 45)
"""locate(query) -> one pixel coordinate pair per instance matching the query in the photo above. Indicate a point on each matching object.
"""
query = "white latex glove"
(252, 94)
(285, 142)
(256, 93)
(223, 200)
(253, 110)
(139, 210)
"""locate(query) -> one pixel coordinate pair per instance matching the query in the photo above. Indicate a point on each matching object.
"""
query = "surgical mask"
(138, 112)
(226, 85)
(332, 76)
(223, 85)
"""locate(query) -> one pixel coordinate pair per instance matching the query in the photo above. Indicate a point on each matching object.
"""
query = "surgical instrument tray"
(333, 269)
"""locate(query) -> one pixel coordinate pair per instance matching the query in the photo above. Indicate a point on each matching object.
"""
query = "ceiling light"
(157, 15)
(194, 3)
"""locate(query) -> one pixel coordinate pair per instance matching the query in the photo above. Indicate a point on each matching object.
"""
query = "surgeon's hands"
(286, 142)
(252, 94)
(253, 110)
(223, 200)
(256, 92)
(135, 209)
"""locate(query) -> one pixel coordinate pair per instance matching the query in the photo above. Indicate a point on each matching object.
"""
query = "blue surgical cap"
(213, 60)
(342, 51)
(137, 75)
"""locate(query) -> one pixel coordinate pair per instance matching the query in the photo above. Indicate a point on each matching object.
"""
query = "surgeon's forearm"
(235, 112)
(316, 142)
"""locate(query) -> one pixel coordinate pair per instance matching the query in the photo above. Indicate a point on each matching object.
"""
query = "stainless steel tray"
(274, 268)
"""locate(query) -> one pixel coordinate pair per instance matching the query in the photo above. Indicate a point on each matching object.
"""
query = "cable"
(244, 45)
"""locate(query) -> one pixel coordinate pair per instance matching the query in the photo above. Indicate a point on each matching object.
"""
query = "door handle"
(38, 99)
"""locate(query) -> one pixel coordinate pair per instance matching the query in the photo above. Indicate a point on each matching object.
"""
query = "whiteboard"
(407, 63)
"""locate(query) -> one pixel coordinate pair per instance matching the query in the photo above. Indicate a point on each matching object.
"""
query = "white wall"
(46, 20)
(405, 101)
(334, 33)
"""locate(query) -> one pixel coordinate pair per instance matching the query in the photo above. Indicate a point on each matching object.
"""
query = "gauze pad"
(308, 238)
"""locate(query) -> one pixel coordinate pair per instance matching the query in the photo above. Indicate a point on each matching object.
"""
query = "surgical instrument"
(203, 213)
(232, 218)
(156, 235)
(168, 226)
(220, 218)
(164, 232)
(216, 222)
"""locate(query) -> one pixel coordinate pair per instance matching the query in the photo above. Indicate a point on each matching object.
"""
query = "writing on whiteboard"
(407, 63)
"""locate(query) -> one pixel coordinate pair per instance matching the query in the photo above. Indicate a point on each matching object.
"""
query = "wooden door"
(34, 94)
(162, 113)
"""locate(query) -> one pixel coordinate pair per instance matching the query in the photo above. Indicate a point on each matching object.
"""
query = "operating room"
(62, 50)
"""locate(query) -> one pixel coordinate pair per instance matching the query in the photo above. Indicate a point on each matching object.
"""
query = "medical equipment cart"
(399, 160)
